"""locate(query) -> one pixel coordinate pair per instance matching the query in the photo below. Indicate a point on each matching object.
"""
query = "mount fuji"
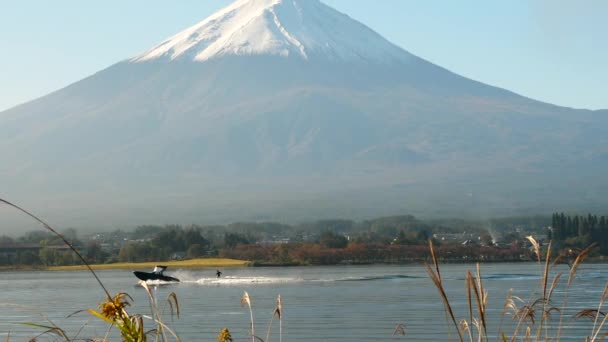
(308, 30)
(288, 110)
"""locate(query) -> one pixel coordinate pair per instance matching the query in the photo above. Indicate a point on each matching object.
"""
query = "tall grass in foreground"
(113, 310)
(276, 313)
(530, 317)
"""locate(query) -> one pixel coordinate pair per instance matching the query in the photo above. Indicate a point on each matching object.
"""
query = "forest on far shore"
(394, 239)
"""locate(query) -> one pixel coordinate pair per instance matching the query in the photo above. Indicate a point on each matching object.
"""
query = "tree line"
(579, 231)
(387, 239)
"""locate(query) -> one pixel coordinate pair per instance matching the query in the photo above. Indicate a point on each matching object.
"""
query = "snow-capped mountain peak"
(307, 29)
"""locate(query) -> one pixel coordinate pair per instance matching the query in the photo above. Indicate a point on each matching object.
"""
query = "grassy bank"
(193, 263)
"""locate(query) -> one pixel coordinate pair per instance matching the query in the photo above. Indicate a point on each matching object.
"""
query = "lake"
(334, 303)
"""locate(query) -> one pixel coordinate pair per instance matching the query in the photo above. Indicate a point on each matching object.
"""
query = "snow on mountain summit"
(307, 29)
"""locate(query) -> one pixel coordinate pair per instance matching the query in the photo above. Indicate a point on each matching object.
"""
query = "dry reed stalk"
(482, 300)
(507, 305)
(558, 260)
(526, 312)
(76, 338)
(546, 270)
(173, 304)
(589, 313)
(50, 331)
(58, 332)
(246, 300)
(577, 261)
(545, 300)
(469, 299)
(279, 311)
(479, 300)
(464, 327)
(554, 284)
(276, 312)
(49, 228)
(161, 327)
(477, 324)
(269, 328)
(153, 309)
(474, 284)
(434, 258)
(52, 328)
(399, 330)
(529, 311)
(538, 252)
(536, 246)
(599, 307)
(113, 309)
(436, 278)
(595, 332)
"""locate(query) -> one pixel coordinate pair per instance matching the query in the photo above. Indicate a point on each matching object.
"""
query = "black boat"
(156, 274)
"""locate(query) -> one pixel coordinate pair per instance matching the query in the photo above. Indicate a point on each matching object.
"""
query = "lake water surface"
(337, 303)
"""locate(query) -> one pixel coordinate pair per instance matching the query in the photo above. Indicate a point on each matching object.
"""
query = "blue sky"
(551, 50)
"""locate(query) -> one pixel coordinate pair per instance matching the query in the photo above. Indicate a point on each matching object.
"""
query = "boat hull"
(153, 276)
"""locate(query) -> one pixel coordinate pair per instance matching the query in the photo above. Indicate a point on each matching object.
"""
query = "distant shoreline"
(192, 264)
(221, 262)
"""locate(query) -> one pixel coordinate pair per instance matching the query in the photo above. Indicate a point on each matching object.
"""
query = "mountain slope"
(290, 110)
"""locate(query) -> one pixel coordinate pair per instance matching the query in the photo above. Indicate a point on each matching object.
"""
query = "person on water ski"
(218, 273)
